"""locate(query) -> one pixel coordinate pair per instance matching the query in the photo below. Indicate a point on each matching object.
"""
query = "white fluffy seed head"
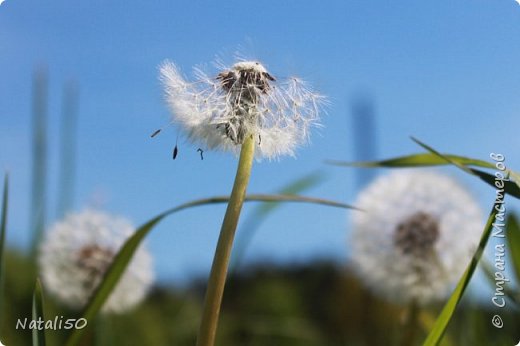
(415, 237)
(220, 110)
(78, 250)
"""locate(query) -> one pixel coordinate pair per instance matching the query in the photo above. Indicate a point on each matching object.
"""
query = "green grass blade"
(415, 160)
(124, 255)
(439, 328)
(435, 158)
(513, 242)
(3, 226)
(38, 335)
(510, 187)
(514, 176)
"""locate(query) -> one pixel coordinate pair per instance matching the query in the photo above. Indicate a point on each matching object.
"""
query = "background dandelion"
(416, 235)
(78, 250)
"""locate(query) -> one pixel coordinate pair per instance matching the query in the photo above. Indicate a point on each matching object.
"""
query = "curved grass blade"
(439, 328)
(513, 242)
(515, 176)
(38, 335)
(415, 160)
(124, 255)
(511, 188)
(3, 226)
(251, 224)
(435, 158)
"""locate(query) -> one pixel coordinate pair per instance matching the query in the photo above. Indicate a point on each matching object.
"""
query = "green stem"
(217, 277)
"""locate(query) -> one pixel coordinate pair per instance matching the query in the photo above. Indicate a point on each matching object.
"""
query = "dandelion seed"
(416, 237)
(239, 101)
(156, 132)
(175, 152)
(78, 250)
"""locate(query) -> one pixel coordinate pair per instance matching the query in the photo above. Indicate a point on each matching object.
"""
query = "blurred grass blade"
(510, 187)
(3, 226)
(38, 335)
(255, 218)
(68, 144)
(364, 135)
(124, 255)
(39, 157)
(513, 242)
(416, 160)
(292, 189)
(439, 328)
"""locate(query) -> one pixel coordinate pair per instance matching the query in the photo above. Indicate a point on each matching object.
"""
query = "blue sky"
(444, 71)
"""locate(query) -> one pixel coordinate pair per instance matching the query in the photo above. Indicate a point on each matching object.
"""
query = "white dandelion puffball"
(245, 99)
(415, 236)
(78, 250)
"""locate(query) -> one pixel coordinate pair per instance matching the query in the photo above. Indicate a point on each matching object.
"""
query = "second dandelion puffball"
(218, 111)
(415, 236)
(77, 252)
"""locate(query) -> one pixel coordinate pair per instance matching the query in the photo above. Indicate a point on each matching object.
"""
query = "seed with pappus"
(415, 237)
(77, 252)
(219, 111)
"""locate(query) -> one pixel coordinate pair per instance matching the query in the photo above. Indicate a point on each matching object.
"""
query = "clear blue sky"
(444, 71)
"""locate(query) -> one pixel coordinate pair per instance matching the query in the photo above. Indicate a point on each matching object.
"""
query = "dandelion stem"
(411, 324)
(217, 278)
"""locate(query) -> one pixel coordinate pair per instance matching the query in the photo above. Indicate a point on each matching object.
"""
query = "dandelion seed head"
(220, 110)
(77, 252)
(415, 237)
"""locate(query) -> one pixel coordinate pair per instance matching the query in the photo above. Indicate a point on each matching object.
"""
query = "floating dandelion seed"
(78, 250)
(416, 236)
(242, 100)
